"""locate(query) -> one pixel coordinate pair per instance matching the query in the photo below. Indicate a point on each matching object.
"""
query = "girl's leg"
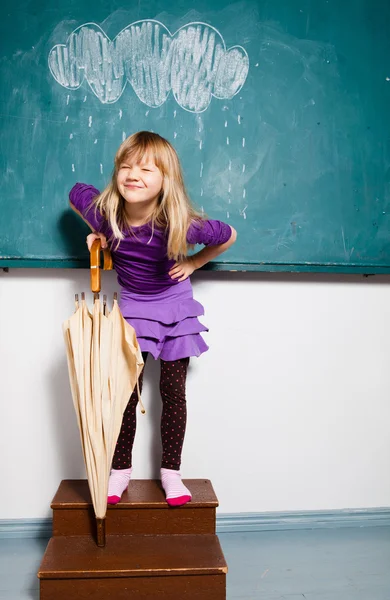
(173, 425)
(122, 462)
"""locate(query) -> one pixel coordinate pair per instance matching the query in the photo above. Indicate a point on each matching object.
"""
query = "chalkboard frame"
(83, 263)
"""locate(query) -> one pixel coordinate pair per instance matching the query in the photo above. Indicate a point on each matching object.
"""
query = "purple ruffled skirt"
(166, 324)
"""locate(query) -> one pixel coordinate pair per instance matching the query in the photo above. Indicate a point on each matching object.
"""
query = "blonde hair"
(174, 211)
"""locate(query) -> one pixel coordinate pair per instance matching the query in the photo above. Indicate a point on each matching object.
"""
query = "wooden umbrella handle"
(95, 265)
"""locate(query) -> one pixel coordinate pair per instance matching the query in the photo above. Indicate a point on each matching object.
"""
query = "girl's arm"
(81, 201)
(81, 198)
(72, 206)
(183, 269)
(209, 252)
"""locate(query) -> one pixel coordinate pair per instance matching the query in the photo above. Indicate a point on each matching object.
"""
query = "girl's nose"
(132, 175)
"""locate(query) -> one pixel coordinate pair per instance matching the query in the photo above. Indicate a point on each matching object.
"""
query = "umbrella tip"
(115, 296)
(82, 296)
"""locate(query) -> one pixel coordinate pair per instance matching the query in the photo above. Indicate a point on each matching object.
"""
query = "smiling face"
(139, 184)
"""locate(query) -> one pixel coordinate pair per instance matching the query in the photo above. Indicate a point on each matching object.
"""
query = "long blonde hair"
(174, 211)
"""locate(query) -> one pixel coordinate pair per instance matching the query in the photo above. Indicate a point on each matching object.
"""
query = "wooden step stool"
(152, 551)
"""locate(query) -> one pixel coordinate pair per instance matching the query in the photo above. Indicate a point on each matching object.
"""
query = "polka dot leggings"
(173, 376)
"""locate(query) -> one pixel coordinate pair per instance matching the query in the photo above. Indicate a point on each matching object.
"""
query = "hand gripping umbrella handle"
(95, 265)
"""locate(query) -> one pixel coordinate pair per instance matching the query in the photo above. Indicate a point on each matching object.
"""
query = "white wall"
(289, 410)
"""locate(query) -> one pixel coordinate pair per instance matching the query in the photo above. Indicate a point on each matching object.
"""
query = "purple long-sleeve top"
(141, 260)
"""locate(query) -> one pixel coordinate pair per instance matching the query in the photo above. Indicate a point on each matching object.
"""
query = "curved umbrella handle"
(95, 265)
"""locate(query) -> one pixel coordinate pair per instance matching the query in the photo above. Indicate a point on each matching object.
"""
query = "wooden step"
(142, 510)
(142, 567)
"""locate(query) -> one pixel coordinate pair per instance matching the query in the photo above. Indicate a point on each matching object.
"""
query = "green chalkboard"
(280, 112)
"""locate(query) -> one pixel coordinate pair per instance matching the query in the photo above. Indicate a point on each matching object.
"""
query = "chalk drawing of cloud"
(193, 63)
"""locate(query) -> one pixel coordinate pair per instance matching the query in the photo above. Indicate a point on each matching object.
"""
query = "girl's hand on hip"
(96, 236)
(183, 269)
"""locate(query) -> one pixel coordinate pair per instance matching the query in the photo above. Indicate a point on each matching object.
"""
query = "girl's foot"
(176, 492)
(117, 484)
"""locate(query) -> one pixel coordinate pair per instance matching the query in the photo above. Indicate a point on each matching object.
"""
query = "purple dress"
(162, 310)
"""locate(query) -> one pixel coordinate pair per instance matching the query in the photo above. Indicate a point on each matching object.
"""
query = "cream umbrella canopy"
(104, 363)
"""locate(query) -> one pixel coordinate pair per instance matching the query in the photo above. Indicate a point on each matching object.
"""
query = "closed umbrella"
(104, 363)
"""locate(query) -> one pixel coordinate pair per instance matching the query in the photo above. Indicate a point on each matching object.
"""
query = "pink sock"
(176, 492)
(117, 484)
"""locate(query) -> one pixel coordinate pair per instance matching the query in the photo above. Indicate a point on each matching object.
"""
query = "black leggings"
(173, 376)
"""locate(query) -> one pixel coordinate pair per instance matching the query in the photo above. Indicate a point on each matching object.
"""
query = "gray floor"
(321, 564)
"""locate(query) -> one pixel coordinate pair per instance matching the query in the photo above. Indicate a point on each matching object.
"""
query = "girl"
(146, 218)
